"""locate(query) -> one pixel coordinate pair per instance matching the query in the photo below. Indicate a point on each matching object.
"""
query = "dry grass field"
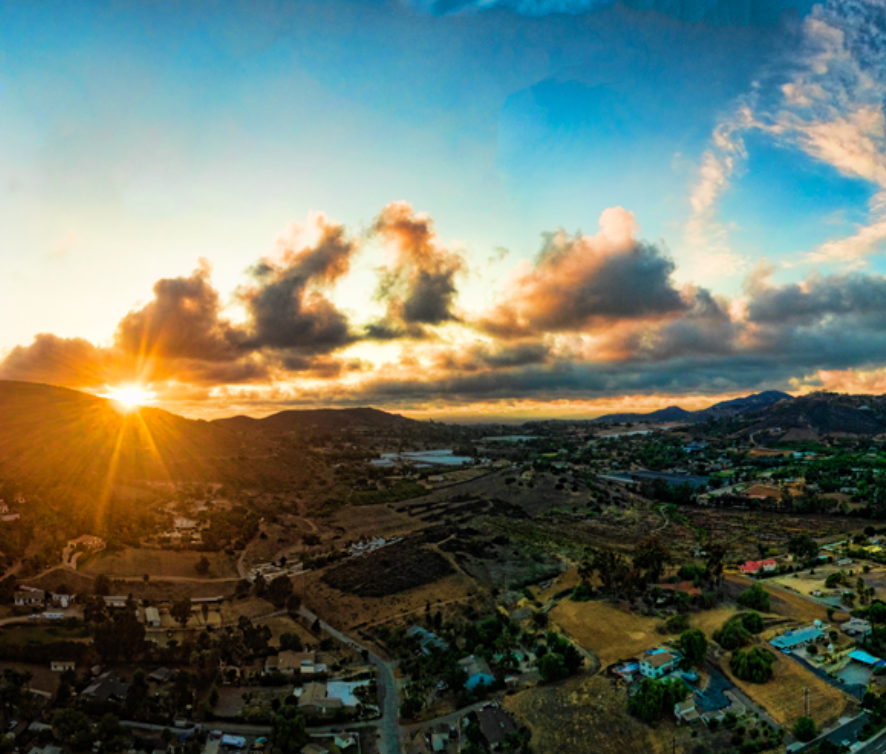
(610, 633)
(587, 715)
(711, 620)
(782, 697)
(161, 564)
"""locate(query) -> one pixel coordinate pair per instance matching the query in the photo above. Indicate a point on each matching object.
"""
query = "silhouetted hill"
(68, 437)
(820, 414)
(323, 419)
(720, 410)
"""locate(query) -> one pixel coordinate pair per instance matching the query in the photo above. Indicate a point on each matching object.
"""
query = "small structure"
(161, 675)
(426, 639)
(62, 600)
(289, 663)
(107, 686)
(790, 640)
(315, 701)
(856, 627)
(658, 663)
(235, 742)
(495, 725)
(314, 748)
(60, 666)
(686, 711)
(29, 597)
(152, 617)
(478, 671)
(88, 542)
(865, 659)
(753, 567)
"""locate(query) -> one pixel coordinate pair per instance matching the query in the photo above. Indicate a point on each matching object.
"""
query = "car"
(11, 724)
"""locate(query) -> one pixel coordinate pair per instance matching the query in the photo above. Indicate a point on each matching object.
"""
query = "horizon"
(529, 209)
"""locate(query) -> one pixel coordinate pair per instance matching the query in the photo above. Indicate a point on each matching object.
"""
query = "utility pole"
(806, 695)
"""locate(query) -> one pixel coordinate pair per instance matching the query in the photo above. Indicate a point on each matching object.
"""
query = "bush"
(754, 666)
(656, 698)
(755, 598)
(677, 624)
(693, 646)
(752, 622)
(733, 635)
(804, 729)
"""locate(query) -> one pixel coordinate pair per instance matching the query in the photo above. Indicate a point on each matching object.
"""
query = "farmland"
(160, 564)
(783, 697)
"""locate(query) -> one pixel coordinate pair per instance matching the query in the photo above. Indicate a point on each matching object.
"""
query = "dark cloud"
(580, 283)
(183, 321)
(288, 307)
(418, 285)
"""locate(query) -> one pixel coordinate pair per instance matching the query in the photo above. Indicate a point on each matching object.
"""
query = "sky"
(495, 209)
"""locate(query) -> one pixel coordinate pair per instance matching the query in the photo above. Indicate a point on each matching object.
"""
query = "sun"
(129, 396)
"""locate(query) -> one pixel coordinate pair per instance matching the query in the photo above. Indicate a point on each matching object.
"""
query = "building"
(856, 627)
(495, 725)
(314, 700)
(161, 675)
(686, 711)
(289, 663)
(314, 748)
(753, 567)
(865, 659)
(152, 617)
(427, 640)
(658, 663)
(29, 597)
(59, 666)
(107, 687)
(62, 600)
(88, 542)
(791, 640)
(478, 671)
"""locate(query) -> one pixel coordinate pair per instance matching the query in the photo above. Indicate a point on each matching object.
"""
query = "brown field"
(567, 580)
(782, 697)
(587, 715)
(283, 624)
(161, 564)
(712, 620)
(610, 633)
(783, 603)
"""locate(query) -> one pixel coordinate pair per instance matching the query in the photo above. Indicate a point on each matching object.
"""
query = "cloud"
(70, 362)
(182, 321)
(288, 303)
(418, 285)
(579, 283)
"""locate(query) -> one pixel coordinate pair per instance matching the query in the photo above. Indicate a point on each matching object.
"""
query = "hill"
(721, 410)
(323, 419)
(821, 414)
(53, 435)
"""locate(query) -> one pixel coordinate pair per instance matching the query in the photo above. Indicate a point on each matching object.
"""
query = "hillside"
(821, 414)
(721, 410)
(60, 436)
(323, 419)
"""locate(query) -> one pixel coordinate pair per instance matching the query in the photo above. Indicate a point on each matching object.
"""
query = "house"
(182, 523)
(856, 627)
(29, 597)
(791, 640)
(88, 542)
(687, 587)
(152, 617)
(62, 600)
(107, 686)
(478, 672)
(45, 750)
(753, 567)
(289, 663)
(495, 725)
(315, 701)
(116, 601)
(161, 675)
(427, 640)
(686, 711)
(59, 666)
(658, 663)
(865, 659)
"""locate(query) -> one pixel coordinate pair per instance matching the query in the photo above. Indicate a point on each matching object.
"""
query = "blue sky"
(137, 138)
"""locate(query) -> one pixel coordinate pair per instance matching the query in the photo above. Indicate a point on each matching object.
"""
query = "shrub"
(752, 622)
(755, 598)
(655, 698)
(754, 666)
(733, 635)
(804, 729)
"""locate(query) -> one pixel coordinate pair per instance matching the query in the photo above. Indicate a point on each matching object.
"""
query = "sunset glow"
(130, 396)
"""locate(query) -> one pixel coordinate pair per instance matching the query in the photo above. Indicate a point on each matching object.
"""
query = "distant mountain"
(820, 414)
(669, 414)
(323, 419)
(720, 410)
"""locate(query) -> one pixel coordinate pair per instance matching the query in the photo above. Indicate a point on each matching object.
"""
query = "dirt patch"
(587, 715)
(608, 631)
(783, 696)
(161, 564)
(390, 570)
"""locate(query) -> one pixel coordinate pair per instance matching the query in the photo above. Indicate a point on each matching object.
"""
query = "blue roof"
(790, 639)
(864, 657)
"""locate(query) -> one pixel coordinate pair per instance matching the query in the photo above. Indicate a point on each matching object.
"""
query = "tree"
(650, 557)
(877, 613)
(803, 547)
(288, 729)
(693, 646)
(655, 698)
(102, 585)
(755, 598)
(804, 729)
(202, 565)
(73, 727)
(551, 667)
(733, 635)
(753, 622)
(754, 666)
(181, 611)
(279, 590)
(714, 560)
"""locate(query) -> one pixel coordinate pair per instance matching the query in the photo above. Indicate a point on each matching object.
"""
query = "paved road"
(388, 724)
(876, 745)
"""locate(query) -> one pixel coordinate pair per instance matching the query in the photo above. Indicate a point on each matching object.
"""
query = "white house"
(658, 664)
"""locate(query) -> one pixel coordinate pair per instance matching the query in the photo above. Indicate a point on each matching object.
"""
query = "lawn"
(783, 696)
(160, 564)
(609, 632)
(19, 633)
